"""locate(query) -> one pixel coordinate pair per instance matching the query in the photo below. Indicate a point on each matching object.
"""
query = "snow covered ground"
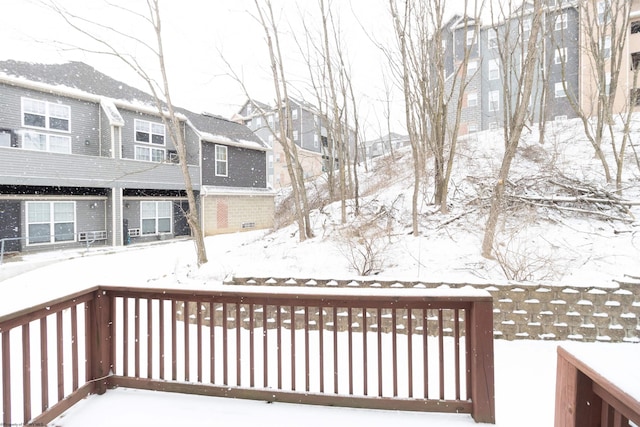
(554, 244)
(525, 370)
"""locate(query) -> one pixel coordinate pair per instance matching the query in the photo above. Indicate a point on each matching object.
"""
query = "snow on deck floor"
(129, 407)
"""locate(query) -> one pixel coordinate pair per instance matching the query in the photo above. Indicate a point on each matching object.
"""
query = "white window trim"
(150, 149)
(494, 67)
(559, 90)
(225, 161)
(47, 115)
(471, 37)
(472, 99)
(560, 55)
(562, 21)
(497, 100)
(51, 222)
(47, 142)
(472, 69)
(492, 39)
(151, 133)
(294, 114)
(156, 217)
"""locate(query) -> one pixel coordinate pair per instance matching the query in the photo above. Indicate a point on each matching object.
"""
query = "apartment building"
(565, 69)
(87, 160)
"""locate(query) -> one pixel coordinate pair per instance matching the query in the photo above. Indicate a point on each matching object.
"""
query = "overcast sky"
(195, 33)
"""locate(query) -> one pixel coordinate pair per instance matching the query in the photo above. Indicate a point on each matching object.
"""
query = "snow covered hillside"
(578, 239)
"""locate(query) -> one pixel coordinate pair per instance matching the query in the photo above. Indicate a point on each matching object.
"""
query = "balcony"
(67, 170)
(418, 350)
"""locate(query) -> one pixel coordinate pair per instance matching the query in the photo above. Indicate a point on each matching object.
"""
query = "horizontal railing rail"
(424, 350)
(587, 397)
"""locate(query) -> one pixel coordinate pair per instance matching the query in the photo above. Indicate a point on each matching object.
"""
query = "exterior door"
(10, 225)
(180, 225)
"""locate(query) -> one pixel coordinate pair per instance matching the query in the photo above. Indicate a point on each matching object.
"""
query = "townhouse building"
(86, 159)
(312, 135)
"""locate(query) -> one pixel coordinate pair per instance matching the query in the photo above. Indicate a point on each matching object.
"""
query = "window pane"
(64, 232)
(142, 126)
(143, 153)
(38, 212)
(63, 212)
(148, 209)
(164, 209)
(34, 120)
(39, 233)
(34, 106)
(157, 129)
(58, 124)
(34, 141)
(157, 139)
(142, 136)
(148, 226)
(164, 225)
(59, 111)
(221, 168)
(59, 144)
(157, 155)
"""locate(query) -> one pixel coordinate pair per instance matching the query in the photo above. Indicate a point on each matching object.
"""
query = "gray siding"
(84, 122)
(246, 168)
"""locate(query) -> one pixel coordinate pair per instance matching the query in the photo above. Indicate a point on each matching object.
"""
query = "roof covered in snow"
(83, 78)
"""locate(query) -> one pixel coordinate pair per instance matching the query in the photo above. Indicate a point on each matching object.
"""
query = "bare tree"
(604, 26)
(283, 106)
(159, 90)
(517, 81)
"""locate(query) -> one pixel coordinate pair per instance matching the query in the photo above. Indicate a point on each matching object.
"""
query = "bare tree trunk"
(286, 132)
(159, 91)
(516, 122)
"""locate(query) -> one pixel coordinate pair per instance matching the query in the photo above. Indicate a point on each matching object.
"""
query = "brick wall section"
(255, 212)
(528, 311)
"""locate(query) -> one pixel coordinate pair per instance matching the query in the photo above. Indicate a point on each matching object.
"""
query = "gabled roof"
(84, 78)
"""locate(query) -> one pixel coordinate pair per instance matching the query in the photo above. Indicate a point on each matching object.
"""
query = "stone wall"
(529, 311)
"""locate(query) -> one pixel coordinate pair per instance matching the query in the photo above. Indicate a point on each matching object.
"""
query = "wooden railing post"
(482, 370)
(99, 337)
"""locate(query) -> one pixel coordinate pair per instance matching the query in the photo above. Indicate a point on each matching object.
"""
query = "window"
(492, 39)
(559, 90)
(494, 69)
(494, 100)
(149, 133)
(471, 37)
(560, 55)
(561, 22)
(295, 135)
(258, 122)
(607, 84)
(472, 99)
(635, 60)
(45, 142)
(606, 50)
(221, 160)
(45, 115)
(294, 114)
(315, 141)
(634, 96)
(562, 118)
(604, 9)
(270, 120)
(7, 138)
(526, 26)
(155, 217)
(472, 67)
(635, 27)
(149, 154)
(473, 127)
(50, 222)
(493, 126)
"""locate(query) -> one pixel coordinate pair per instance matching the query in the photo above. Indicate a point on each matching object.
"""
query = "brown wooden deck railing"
(420, 350)
(587, 398)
